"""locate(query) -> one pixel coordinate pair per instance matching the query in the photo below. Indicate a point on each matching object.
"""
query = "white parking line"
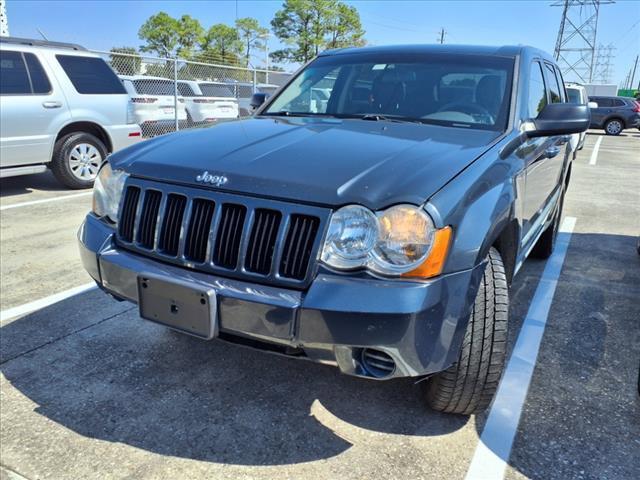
(594, 153)
(45, 200)
(492, 453)
(44, 302)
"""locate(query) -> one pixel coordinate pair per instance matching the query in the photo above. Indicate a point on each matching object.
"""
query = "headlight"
(404, 241)
(399, 241)
(107, 191)
(353, 232)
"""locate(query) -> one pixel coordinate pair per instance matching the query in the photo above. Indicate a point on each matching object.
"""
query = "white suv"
(576, 93)
(207, 102)
(154, 103)
(61, 107)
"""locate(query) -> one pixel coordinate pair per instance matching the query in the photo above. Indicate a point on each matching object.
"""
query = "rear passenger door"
(32, 109)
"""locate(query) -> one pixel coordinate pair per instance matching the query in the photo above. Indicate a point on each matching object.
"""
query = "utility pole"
(575, 49)
(442, 34)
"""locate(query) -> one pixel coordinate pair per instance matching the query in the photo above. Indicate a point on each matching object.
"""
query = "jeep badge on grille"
(217, 180)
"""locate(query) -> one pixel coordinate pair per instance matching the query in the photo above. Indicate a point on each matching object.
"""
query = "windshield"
(469, 91)
(574, 96)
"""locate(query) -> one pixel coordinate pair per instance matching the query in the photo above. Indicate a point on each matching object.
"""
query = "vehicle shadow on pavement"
(26, 184)
(125, 380)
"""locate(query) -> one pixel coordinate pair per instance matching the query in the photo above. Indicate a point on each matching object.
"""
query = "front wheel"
(77, 157)
(468, 386)
(613, 127)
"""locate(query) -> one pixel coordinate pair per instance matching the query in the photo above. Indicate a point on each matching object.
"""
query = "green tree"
(168, 36)
(221, 43)
(128, 64)
(309, 26)
(160, 32)
(345, 28)
(190, 35)
(251, 34)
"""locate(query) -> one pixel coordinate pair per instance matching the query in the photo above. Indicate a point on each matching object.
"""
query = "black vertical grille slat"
(198, 233)
(226, 250)
(149, 218)
(262, 241)
(298, 245)
(128, 213)
(170, 234)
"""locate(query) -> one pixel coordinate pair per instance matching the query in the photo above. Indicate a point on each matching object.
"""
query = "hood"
(329, 162)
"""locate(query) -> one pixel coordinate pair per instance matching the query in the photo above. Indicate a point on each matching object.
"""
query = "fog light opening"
(377, 363)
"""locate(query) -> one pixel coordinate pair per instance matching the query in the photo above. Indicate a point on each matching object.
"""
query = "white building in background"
(4, 22)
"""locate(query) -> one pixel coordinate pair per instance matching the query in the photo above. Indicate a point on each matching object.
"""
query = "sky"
(103, 24)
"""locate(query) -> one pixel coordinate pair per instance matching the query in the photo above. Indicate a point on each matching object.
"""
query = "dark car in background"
(371, 215)
(614, 114)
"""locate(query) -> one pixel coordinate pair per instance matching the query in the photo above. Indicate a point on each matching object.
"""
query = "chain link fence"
(169, 94)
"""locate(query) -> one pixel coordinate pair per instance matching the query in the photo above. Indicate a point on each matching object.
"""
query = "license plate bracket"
(183, 306)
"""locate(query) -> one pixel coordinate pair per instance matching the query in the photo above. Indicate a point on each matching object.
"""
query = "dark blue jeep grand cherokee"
(371, 215)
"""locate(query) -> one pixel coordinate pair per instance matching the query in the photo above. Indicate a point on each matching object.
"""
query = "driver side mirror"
(559, 119)
(592, 105)
(257, 99)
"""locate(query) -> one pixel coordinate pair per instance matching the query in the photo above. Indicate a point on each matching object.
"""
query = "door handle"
(51, 104)
(552, 151)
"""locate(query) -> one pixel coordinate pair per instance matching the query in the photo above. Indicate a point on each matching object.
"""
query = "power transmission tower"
(441, 37)
(602, 69)
(576, 42)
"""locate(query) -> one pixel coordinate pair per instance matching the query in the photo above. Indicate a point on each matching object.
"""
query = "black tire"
(614, 127)
(60, 163)
(468, 386)
(547, 242)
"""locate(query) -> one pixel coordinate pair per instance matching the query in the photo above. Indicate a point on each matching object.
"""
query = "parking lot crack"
(26, 352)
(11, 474)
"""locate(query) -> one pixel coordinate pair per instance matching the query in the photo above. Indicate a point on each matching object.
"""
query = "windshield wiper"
(376, 117)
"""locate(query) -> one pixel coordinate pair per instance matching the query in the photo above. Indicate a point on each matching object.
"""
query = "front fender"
(479, 204)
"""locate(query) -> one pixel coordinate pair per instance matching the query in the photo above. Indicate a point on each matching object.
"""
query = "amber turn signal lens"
(434, 263)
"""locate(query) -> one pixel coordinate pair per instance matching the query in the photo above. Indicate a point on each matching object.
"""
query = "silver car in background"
(207, 102)
(154, 103)
(61, 107)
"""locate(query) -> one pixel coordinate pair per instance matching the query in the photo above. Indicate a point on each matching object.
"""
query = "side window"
(14, 79)
(39, 80)
(560, 81)
(90, 75)
(618, 103)
(185, 90)
(537, 93)
(552, 84)
(603, 102)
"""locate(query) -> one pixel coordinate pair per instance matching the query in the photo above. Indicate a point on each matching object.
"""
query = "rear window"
(212, 90)
(618, 103)
(14, 79)
(154, 86)
(90, 75)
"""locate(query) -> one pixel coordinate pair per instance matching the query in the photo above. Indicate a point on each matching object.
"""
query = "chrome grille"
(262, 240)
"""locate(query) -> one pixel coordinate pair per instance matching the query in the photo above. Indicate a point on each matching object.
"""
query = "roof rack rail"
(41, 43)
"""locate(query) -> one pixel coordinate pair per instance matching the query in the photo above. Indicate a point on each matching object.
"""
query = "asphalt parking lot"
(88, 390)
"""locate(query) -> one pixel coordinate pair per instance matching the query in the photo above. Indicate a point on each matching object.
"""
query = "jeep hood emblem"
(217, 180)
